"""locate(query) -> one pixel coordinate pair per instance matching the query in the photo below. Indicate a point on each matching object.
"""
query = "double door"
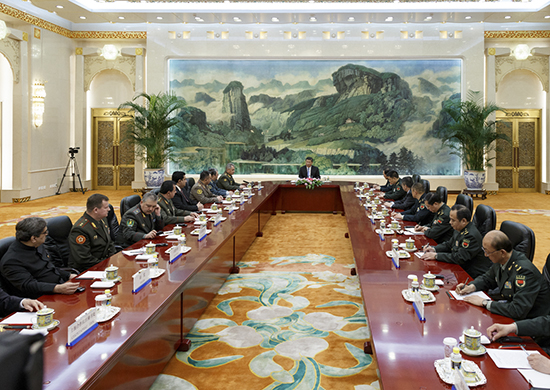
(113, 155)
(518, 163)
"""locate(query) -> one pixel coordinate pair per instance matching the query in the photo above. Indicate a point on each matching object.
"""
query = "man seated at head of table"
(182, 200)
(201, 191)
(538, 328)
(309, 170)
(419, 213)
(26, 267)
(168, 212)
(90, 239)
(141, 222)
(408, 201)
(10, 304)
(439, 229)
(226, 181)
(523, 290)
(386, 187)
(213, 186)
(397, 191)
(464, 247)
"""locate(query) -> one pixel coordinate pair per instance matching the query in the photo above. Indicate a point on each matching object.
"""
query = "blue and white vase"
(153, 177)
(474, 179)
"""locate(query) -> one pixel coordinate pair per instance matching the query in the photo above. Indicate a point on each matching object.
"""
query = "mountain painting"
(352, 117)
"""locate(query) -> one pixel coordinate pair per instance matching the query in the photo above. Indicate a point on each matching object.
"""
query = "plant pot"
(474, 179)
(153, 177)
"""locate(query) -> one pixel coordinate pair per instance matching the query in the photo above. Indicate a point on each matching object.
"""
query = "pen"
(510, 346)
(468, 278)
(15, 326)
(524, 350)
(449, 295)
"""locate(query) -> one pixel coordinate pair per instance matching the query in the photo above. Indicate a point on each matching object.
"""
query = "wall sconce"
(522, 52)
(4, 30)
(110, 52)
(38, 96)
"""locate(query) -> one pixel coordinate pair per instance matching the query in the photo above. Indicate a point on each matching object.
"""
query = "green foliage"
(150, 126)
(470, 133)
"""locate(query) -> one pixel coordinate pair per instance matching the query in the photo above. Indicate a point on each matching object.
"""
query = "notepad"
(92, 275)
(505, 358)
(480, 294)
(19, 318)
(536, 378)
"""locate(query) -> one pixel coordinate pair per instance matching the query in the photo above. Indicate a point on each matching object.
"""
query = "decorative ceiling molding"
(35, 21)
(517, 34)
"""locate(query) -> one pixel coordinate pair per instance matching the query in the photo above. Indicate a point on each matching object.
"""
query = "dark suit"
(419, 213)
(28, 271)
(404, 204)
(314, 172)
(183, 201)
(8, 303)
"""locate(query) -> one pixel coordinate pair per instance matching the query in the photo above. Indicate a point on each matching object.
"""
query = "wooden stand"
(475, 193)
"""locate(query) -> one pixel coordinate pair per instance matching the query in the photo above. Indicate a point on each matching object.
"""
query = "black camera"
(74, 150)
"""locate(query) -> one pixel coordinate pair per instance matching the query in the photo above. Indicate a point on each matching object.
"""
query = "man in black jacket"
(10, 304)
(439, 229)
(419, 213)
(26, 267)
(408, 201)
(182, 199)
(309, 170)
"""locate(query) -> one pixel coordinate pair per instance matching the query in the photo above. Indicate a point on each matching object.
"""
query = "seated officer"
(214, 184)
(10, 304)
(26, 267)
(386, 187)
(439, 229)
(168, 212)
(408, 201)
(201, 192)
(142, 221)
(182, 200)
(524, 292)
(90, 239)
(464, 247)
(419, 213)
(226, 181)
(396, 192)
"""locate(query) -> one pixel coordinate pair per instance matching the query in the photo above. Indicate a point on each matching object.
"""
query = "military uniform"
(169, 213)
(464, 249)
(440, 229)
(386, 187)
(419, 213)
(226, 182)
(201, 193)
(135, 225)
(522, 286)
(397, 192)
(90, 242)
(404, 204)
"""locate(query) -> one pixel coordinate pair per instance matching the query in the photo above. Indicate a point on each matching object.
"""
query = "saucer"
(113, 311)
(402, 254)
(403, 246)
(115, 280)
(157, 273)
(482, 350)
(434, 288)
(409, 297)
(53, 325)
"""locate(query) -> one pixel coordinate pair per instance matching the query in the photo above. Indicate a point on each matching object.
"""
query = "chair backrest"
(442, 192)
(546, 269)
(57, 241)
(5, 244)
(112, 221)
(416, 178)
(485, 219)
(522, 237)
(465, 200)
(426, 185)
(128, 202)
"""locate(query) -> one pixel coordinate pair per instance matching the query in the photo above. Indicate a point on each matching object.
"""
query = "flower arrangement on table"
(310, 183)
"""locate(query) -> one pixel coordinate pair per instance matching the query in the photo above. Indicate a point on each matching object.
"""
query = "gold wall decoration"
(25, 37)
(139, 51)
(491, 51)
(37, 33)
(21, 200)
(78, 51)
(517, 34)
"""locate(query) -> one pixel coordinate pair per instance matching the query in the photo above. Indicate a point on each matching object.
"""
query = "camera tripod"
(72, 161)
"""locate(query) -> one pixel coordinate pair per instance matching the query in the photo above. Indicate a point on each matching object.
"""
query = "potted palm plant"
(150, 131)
(471, 134)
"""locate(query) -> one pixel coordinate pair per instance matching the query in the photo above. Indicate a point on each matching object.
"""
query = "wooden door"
(113, 155)
(518, 164)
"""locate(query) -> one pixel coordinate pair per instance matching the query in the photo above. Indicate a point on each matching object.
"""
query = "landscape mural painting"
(352, 117)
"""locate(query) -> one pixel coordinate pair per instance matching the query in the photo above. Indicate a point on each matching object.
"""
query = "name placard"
(202, 232)
(141, 279)
(395, 258)
(175, 252)
(217, 219)
(460, 382)
(242, 199)
(418, 305)
(84, 324)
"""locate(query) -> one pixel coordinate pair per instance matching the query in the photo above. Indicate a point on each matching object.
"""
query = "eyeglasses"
(488, 253)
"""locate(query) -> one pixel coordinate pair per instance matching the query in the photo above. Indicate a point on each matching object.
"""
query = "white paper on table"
(133, 252)
(409, 231)
(439, 282)
(173, 237)
(19, 318)
(505, 358)
(536, 378)
(144, 257)
(419, 254)
(92, 275)
(480, 294)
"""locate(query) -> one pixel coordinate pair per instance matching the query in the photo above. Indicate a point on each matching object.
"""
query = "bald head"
(497, 240)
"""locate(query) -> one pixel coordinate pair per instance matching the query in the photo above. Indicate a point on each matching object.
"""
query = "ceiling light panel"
(166, 18)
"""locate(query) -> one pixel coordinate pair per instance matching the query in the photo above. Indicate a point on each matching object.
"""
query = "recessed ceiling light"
(197, 18)
(389, 19)
(547, 17)
(428, 18)
(313, 19)
(60, 6)
(507, 17)
(237, 19)
(468, 17)
(274, 19)
(121, 17)
(159, 17)
(82, 17)
(351, 19)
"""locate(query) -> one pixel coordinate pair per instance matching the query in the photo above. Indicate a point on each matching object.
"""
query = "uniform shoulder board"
(225, 179)
(137, 211)
(83, 222)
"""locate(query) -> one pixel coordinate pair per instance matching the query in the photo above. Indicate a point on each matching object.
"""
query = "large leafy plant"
(470, 132)
(150, 126)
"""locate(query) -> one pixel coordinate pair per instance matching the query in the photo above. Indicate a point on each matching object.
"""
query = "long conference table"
(131, 350)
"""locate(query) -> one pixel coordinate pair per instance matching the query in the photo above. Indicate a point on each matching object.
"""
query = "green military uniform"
(440, 229)
(89, 242)
(135, 225)
(397, 192)
(202, 193)
(464, 249)
(521, 285)
(226, 182)
(169, 213)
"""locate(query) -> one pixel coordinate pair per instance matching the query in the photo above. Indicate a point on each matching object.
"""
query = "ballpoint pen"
(524, 350)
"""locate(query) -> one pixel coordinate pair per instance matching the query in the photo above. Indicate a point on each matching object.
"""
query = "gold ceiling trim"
(517, 34)
(35, 21)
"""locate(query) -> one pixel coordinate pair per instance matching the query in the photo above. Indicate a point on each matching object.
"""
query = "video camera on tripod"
(74, 150)
(72, 161)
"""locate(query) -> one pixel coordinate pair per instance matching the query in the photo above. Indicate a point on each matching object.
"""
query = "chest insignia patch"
(507, 285)
(81, 239)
